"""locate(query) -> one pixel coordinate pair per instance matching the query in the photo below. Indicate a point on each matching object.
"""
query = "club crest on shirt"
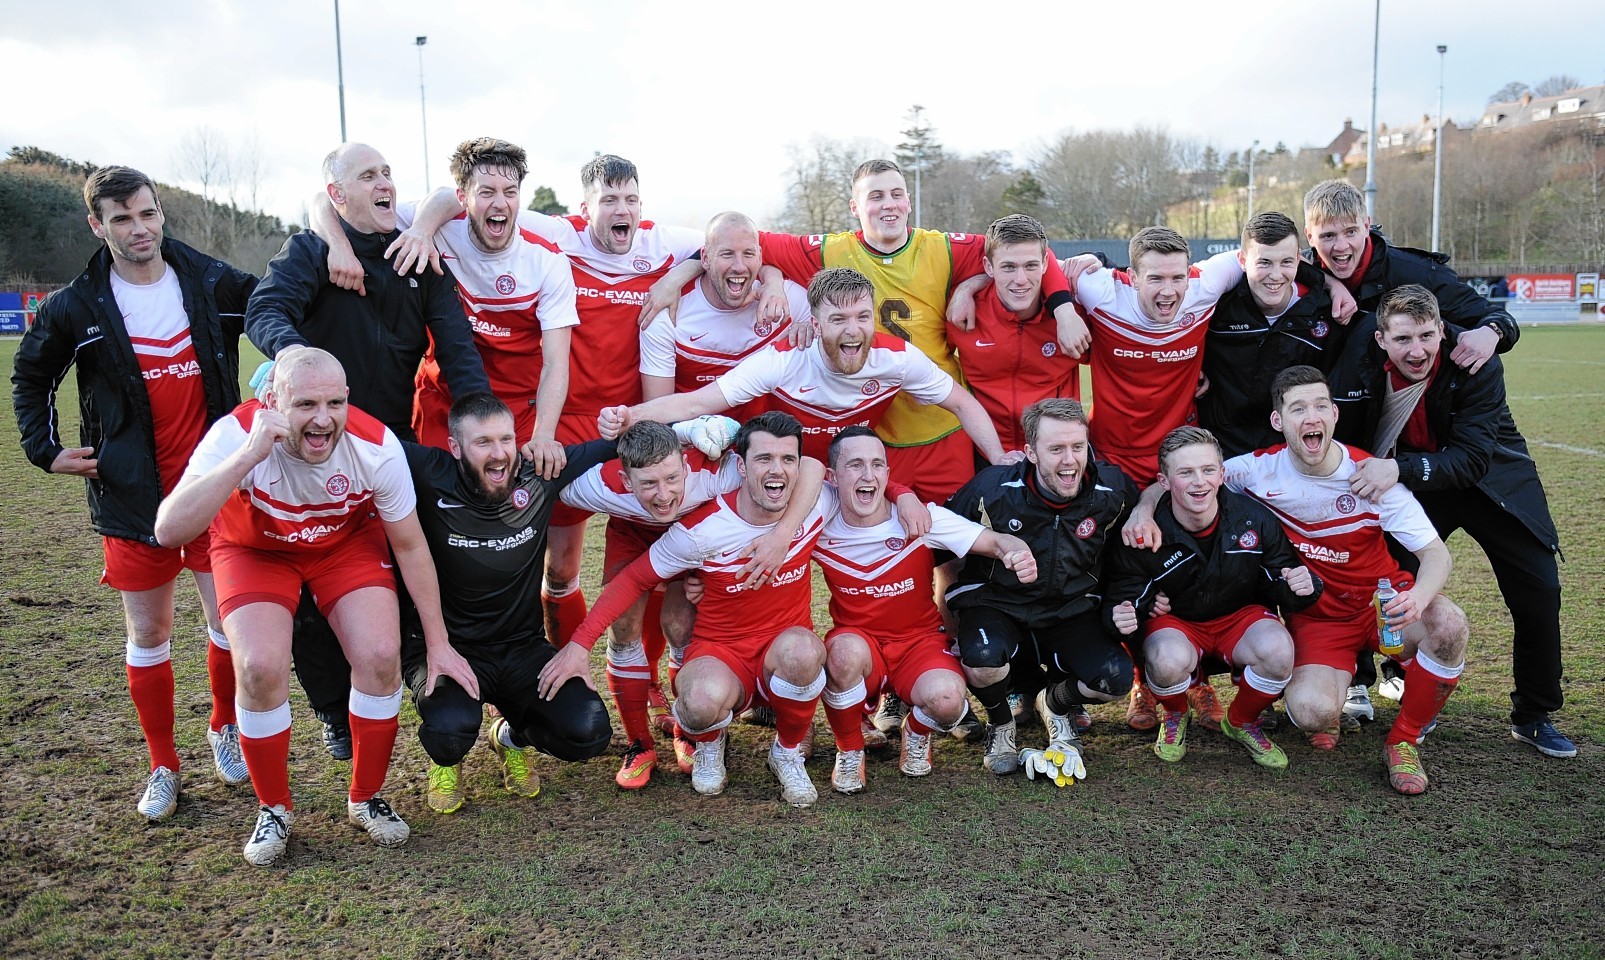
(505, 284)
(1086, 528)
(1320, 329)
(1014, 526)
(520, 498)
(1188, 319)
(1249, 540)
(338, 485)
(1344, 504)
(1049, 349)
(895, 544)
(871, 387)
(641, 265)
(763, 327)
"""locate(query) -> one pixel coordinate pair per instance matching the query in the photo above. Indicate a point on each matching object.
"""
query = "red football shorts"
(1217, 637)
(246, 575)
(744, 656)
(135, 567)
(934, 470)
(897, 663)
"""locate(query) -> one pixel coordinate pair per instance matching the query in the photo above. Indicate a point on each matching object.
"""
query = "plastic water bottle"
(1390, 640)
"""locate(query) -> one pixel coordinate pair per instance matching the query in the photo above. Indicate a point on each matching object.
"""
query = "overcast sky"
(706, 97)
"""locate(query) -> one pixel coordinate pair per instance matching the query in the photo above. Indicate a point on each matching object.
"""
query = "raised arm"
(189, 509)
(973, 418)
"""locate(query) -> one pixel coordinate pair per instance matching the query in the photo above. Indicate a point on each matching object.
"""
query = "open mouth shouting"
(774, 491)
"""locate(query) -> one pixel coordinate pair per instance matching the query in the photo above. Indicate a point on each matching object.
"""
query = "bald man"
(311, 493)
(378, 336)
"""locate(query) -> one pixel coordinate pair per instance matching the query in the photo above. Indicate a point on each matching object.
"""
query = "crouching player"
(747, 643)
(651, 485)
(485, 513)
(297, 483)
(888, 633)
(1306, 484)
(1220, 564)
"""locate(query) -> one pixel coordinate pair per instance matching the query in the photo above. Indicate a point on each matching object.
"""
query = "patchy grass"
(1210, 857)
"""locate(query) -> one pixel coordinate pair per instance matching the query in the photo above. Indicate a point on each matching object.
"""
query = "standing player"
(305, 492)
(1448, 436)
(852, 375)
(1278, 316)
(746, 644)
(651, 485)
(153, 327)
(1345, 244)
(1224, 568)
(484, 511)
(914, 272)
(1307, 485)
(516, 288)
(1066, 508)
(888, 633)
(616, 257)
(1011, 355)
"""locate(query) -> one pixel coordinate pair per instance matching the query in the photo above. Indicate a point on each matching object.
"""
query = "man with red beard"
(305, 492)
(484, 511)
(850, 376)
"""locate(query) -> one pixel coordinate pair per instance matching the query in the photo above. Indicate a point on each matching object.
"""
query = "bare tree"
(1510, 91)
(1556, 85)
(203, 158)
(820, 184)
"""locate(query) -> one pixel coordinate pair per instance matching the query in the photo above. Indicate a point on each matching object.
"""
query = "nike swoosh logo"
(1272, 493)
(804, 389)
(985, 343)
(696, 336)
(442, 504)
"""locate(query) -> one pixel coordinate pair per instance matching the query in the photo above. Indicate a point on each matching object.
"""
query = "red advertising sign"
(1542, 286)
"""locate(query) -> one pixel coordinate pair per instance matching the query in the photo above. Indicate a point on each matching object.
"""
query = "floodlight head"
(423, 40)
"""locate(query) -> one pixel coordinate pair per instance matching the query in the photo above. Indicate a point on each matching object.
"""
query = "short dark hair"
(871, 167)
(842, 436)
(116, 184)
(645, 443)
(607, 170)
(1412, 300)
(1014, 228)
(838, 286)
(473, 406)
(1156, 240)
(1268, 228)
(498, 155)
(776, 423)
(1299, 376)
(1186, 437)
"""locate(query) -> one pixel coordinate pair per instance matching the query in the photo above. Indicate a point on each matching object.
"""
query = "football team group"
(456, 385)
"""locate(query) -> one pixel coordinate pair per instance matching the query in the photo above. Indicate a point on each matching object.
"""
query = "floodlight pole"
(340, 70)
(423, 108)
(1371, 138)
(1437, 160)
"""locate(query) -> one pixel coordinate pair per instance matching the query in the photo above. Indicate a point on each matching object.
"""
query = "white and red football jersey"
(1338, 533)
(880, 580)
(611, 288)
(158, 329)
(708, 340)
(601, 489)
(714, 539)
(288, 504)
(1144, 374)
(800, 383)
(510, 297)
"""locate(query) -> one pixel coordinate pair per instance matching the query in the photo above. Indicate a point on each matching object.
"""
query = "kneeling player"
(1221, 563)
(1306, 484)
(888, 633)
(746, 644)
(485, 513)
(650, 486)
(295, 483)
